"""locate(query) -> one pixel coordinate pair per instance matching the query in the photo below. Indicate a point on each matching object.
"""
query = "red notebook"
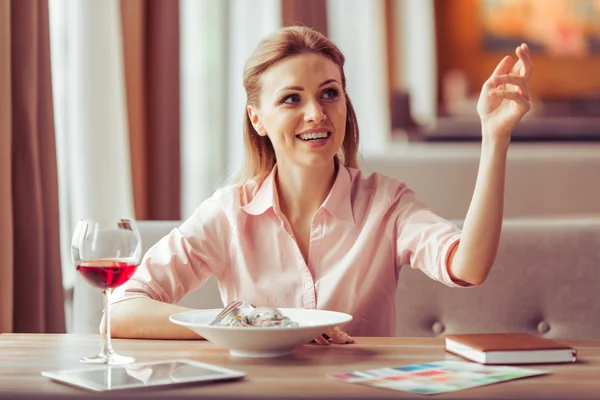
(509, 348)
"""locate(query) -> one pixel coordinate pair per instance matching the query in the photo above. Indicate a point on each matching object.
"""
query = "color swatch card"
(435, 377)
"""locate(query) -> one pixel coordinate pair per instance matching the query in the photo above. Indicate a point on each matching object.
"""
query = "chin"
(317, 161)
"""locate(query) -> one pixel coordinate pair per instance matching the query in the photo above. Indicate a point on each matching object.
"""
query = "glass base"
(112, 359)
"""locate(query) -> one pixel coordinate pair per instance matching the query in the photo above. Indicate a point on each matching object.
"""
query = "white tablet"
(139, 375)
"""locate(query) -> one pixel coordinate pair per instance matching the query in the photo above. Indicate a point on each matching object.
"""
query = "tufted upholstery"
(546, 280)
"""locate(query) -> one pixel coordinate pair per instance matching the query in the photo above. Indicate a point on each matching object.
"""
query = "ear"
(255, 120)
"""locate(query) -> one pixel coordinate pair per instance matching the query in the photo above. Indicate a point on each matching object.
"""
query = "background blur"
(133, 108)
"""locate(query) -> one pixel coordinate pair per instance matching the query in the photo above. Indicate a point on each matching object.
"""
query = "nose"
(314, 112)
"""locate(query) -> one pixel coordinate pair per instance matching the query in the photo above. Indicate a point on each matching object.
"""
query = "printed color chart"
(436, 377)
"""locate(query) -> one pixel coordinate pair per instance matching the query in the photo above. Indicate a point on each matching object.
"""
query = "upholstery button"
(543, 327)
(308, 285)
(438, 328)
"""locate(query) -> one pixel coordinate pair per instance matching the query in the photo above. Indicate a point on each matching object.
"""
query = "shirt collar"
(264, 196)
(338, 203)
(339, 200)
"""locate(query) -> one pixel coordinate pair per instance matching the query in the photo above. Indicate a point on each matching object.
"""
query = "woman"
(302, 226)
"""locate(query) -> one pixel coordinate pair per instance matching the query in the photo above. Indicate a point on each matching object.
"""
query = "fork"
(230, 307)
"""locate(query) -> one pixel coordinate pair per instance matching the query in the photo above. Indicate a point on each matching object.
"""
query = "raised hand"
(334, 335)
(504, 98)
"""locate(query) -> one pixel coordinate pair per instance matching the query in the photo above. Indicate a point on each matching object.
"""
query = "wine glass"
(106, 254)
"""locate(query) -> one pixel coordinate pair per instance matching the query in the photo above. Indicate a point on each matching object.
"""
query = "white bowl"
(262, 342)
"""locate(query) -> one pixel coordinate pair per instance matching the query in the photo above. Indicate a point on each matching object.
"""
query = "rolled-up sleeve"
(183, 260)
(424, 239)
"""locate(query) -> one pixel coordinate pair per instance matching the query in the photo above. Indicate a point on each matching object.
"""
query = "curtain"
(31, 286)
(418, 61)
(151, 56)
(217, 36)
(204, 86)
(91, 128)
(311, 13)
(357, 27)
(249, 22)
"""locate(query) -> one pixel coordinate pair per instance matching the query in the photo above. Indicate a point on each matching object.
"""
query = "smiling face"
(302, 109)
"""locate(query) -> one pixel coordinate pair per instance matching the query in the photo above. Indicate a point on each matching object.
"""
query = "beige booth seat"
(546, 279)
(542, 179)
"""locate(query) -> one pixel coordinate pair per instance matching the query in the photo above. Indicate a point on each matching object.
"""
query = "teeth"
(317, 135)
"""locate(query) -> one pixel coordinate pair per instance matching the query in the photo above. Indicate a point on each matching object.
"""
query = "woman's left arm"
(503, 101)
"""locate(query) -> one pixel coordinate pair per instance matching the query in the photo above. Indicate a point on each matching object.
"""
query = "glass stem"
(108, 350)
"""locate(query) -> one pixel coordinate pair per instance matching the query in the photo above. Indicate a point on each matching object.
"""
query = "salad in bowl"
(248, 331)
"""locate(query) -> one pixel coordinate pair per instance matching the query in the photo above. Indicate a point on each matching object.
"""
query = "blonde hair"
(286, 42)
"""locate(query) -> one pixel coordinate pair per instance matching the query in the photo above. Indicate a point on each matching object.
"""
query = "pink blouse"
(367, 228)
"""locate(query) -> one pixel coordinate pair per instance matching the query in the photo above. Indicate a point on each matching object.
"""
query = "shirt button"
(308, 285)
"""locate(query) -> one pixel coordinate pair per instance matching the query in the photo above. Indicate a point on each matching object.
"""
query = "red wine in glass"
(106, 254)
(106, 273)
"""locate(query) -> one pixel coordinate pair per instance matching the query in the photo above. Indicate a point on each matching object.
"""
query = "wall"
(459, 36)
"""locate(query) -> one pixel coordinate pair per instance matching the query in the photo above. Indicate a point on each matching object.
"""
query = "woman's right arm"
(179, 263)
(144, 318)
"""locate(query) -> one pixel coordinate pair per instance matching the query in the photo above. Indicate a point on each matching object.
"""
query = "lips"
(319, 135)
(315, 140)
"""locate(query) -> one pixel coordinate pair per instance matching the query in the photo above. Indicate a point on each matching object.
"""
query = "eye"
(290, 99)
(330, 94)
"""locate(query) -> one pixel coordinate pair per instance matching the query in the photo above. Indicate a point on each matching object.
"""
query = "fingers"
(524, 54)
(512, 95)
(322, 340)
(504, 66)
(519, 81)
(336, 335)
(522, 67)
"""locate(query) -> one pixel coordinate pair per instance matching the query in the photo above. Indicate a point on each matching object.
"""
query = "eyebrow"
(301, 89)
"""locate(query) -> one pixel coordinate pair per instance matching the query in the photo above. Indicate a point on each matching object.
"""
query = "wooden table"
(302, 375)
